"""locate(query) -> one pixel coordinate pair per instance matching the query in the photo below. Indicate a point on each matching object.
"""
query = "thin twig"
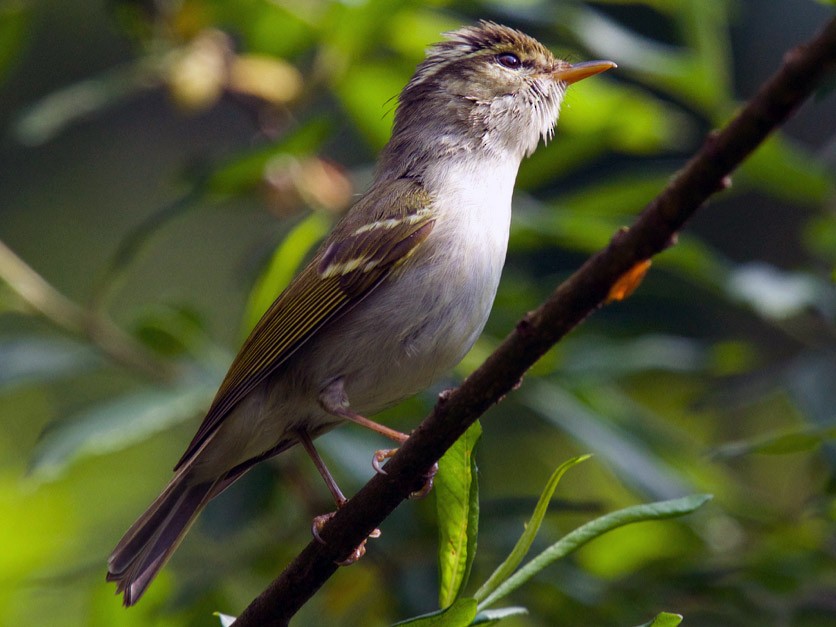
(707, 172)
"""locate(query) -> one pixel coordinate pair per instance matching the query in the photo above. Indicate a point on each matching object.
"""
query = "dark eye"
(509, 60)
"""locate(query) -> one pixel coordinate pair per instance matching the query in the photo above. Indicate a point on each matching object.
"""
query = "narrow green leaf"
(457, 503)
(489, 617)
(781, 444)
(283, 266)
(520, 550)
(664, 619)
(226, 620)
(460, 614)
(591, 530)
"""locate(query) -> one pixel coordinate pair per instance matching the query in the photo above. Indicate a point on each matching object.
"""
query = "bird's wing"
(351, 263)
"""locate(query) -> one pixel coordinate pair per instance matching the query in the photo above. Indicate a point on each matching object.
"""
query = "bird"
(393, 298)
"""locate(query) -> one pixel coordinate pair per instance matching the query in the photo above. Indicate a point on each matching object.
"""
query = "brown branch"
(706, 173)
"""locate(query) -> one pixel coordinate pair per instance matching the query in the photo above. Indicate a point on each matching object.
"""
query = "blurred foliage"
(169, 164)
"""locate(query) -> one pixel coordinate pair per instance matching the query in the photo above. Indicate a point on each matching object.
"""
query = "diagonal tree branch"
(803, 69)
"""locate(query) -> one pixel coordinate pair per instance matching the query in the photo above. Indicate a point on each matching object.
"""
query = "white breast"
(438, 304)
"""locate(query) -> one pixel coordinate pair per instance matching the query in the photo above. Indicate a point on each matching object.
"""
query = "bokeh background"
(166, 165)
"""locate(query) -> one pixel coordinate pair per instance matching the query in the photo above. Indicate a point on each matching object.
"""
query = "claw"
(355, 555)
(381, 456)
(319, 522)
(317, 525)
(428, 484)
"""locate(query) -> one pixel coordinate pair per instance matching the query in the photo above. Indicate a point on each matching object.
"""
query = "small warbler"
(397, 293)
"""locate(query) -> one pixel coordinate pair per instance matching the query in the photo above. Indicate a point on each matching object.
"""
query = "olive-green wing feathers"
(354, 260)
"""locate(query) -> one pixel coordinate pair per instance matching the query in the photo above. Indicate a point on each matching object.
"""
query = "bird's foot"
(428, 483)
(384, 454)
(319, 523)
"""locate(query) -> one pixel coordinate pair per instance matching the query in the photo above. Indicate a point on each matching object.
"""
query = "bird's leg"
(334, 400)
(339, 499)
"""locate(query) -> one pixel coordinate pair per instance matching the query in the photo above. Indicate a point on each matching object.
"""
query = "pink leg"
(339, 498)
(334, 400)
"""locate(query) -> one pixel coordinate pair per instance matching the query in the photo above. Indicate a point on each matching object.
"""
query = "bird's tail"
(147, 545)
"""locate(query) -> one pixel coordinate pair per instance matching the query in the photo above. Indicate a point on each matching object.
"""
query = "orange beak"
(573, 73)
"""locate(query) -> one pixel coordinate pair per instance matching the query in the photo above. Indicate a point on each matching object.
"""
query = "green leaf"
(787, 171)
(460, 614)
(118, 423)
(35, 360)
(591, 530)
(664, 619)
(283, 266)
(786, 443)
(457, 504)
(531, 528)
(489, 617)
(226, 620)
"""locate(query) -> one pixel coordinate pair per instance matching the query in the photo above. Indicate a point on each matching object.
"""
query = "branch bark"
(803, 69)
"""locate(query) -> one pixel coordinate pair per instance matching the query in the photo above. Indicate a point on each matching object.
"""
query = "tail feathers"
(147, 545)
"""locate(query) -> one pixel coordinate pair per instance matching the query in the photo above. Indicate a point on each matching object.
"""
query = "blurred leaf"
(116, 424)
(36, 359)
(281, 30)
(265, 77)
(773, 294)
(634, 461)
(788, 172)
(171, 330)
(353, 28)
(284, 264)
(460, 614)
(694, 72)
(457, 506)
(226, 620)
(609, 358)
(413, 28)
(247, 171)
(819, 237)
(53, 113)
(665, 619)
(489, 617)
(811, 381)
(370, 97)
(594, 529)
(781, 444)
(633, 121)
(619, 195)
(13, 25)
(696, 260)
(506, 568)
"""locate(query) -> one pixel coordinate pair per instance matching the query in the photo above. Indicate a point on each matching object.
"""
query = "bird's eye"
(509, 60)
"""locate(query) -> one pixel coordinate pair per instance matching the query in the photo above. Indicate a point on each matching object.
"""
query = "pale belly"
(406, 335)
(408, 332)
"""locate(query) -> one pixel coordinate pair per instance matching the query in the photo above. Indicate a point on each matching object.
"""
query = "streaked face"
(500, 78)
